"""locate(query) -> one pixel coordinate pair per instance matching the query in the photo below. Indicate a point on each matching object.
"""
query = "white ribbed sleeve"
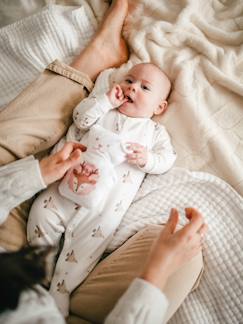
(142, 303)
(19, 181)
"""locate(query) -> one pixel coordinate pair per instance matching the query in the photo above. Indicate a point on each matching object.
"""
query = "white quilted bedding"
(200, 45)
(219, 298)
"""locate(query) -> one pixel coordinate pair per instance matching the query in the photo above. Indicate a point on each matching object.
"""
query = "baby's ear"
(161, 108)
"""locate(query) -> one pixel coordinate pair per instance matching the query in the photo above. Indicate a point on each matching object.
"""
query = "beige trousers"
(37, 118)
(32, 123)
(97, 295)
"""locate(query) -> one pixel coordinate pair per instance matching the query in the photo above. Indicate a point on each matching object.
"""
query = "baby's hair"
(161, 71)
(21, 271)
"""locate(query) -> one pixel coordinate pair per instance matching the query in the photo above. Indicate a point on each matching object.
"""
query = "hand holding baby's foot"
(116, 96)
(55, 166)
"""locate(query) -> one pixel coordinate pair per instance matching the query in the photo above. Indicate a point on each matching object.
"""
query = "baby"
(120, 124)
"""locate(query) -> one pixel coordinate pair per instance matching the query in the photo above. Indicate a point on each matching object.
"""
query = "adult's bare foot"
(108, 48)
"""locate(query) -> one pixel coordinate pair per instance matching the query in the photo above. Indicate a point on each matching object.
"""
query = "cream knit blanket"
(199, 44)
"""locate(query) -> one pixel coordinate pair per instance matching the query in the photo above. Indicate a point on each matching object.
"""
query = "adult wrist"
(42, 173)
(156, 278)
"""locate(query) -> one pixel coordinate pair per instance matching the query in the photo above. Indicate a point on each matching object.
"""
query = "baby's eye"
(145, 88)
(128, 81)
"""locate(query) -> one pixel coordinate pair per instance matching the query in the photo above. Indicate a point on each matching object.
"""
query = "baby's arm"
(91, 109)
(159, 159)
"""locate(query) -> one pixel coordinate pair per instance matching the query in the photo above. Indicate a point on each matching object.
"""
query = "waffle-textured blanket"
(219, 298)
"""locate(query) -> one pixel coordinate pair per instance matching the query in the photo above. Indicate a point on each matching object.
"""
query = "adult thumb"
(73, 159)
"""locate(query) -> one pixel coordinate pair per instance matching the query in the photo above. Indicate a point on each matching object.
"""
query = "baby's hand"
(116, 96)
(139, 155)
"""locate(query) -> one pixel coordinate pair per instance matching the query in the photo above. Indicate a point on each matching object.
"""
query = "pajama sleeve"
(142, 303)
(162, 155)
(90, 110)
(19, 181)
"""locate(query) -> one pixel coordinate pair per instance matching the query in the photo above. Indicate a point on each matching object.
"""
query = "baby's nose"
(132, 88)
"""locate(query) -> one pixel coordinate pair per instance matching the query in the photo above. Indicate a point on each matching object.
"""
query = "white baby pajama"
(88, 231)
(105, 151)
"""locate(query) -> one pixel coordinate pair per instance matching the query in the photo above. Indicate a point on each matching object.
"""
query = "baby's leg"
(86, 238)
(47, 221)
(45, 225)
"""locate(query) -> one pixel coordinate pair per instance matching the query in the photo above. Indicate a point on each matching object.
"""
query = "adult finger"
(172, 222)
(69, 147)
(71, 161)
(202, 232)
(79, 146)
(196, 221)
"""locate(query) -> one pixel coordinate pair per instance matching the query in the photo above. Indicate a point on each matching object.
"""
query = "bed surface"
(199, 44)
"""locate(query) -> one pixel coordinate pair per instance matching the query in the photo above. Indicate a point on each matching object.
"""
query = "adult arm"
(142, 303)
(19, 181)
(22, 179)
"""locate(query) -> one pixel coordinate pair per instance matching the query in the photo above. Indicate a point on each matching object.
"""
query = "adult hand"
(174, 248)
(55, 166)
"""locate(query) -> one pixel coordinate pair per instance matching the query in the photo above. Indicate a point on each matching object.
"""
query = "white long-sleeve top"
(98, 109)
(142, 303)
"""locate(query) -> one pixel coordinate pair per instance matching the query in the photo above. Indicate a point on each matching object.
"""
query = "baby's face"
(146, 88)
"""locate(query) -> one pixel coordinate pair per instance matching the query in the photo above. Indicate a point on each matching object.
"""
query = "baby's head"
(146, 88)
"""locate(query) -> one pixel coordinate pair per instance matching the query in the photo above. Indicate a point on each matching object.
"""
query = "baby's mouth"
(129, 99)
